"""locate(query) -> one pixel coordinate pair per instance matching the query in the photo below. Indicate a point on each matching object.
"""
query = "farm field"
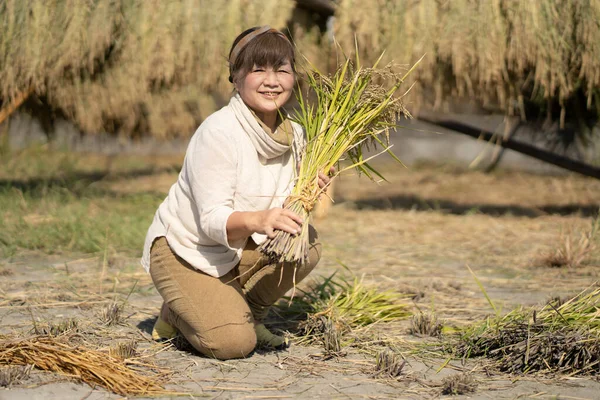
(452, 243)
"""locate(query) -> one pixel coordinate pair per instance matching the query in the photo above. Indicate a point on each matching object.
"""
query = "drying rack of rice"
(560, 337)
(93, 367)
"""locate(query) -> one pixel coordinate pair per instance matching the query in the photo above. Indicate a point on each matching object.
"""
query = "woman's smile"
(266, 89)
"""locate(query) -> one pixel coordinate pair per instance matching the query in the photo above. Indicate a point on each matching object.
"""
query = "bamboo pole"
(523, 148)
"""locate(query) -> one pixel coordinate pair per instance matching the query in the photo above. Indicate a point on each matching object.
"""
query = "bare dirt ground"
(416, 234)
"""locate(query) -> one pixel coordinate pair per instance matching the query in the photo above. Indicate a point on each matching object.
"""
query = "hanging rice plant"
(354, 110)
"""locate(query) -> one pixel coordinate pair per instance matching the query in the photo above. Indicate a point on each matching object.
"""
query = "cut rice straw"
(561, 337)
(90, 366)
(352, 113)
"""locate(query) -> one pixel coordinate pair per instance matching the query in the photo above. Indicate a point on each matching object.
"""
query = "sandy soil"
(416, 234)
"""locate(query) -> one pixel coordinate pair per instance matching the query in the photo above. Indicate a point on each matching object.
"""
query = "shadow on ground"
(79, 182)
(411, 202)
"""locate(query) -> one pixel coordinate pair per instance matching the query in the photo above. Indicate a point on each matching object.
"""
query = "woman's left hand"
(324, 180)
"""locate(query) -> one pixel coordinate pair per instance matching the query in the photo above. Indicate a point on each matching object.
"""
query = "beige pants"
(216, 315)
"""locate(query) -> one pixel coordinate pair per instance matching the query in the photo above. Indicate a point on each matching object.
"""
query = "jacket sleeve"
(211, 171)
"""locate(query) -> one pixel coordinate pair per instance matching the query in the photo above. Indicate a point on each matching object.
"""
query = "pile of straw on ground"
(561, 337)
(334, 307)
(93, 367)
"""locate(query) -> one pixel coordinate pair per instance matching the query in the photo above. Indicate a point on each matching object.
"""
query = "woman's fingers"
(323, 180)
(281, 219)
(293, 216)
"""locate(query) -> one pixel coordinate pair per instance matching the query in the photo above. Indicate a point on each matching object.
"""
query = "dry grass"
(14, 374)
(459, 384)
(147, 67)
(389, 364)
(90, 366)
(506, 53)
(574, 250)
(425, 324)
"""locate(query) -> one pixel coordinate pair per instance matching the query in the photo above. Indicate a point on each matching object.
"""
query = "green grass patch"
(49, 202)
(58, 220)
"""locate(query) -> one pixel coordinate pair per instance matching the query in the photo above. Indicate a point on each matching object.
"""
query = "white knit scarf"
(265, 145)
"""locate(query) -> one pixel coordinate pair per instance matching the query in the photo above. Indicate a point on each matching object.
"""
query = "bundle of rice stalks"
(335, 307)
(353, 111)
(561, 337)
(90, 366)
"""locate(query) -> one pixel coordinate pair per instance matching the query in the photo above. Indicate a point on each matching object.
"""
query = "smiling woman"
(262, 70)
(240, 165)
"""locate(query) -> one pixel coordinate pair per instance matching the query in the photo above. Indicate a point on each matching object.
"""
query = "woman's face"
(266, 89)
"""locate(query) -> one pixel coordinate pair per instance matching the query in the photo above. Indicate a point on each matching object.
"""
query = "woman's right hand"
(268, 221)
(242, 224)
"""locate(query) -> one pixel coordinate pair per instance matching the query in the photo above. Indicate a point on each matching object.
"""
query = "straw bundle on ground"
(561, 337)
(90, 366)
(525, 57)
(333, 306)
(353, 111)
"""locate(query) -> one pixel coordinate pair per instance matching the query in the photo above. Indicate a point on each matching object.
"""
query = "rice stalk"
(123, 350)
(425, 324)
(112, 314)
(354, 111)
(560, 337)
(458, 384)
(389, 364)
(93, 367)
(334, 307)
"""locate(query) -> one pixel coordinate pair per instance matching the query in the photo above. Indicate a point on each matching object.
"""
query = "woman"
(201, 249)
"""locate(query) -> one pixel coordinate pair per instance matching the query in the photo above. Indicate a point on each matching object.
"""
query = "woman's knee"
(225, 343)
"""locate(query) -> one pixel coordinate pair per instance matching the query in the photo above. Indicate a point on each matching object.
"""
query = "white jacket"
(222, 172)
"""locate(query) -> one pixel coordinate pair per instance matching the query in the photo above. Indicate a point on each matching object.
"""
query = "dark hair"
(271, 49)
